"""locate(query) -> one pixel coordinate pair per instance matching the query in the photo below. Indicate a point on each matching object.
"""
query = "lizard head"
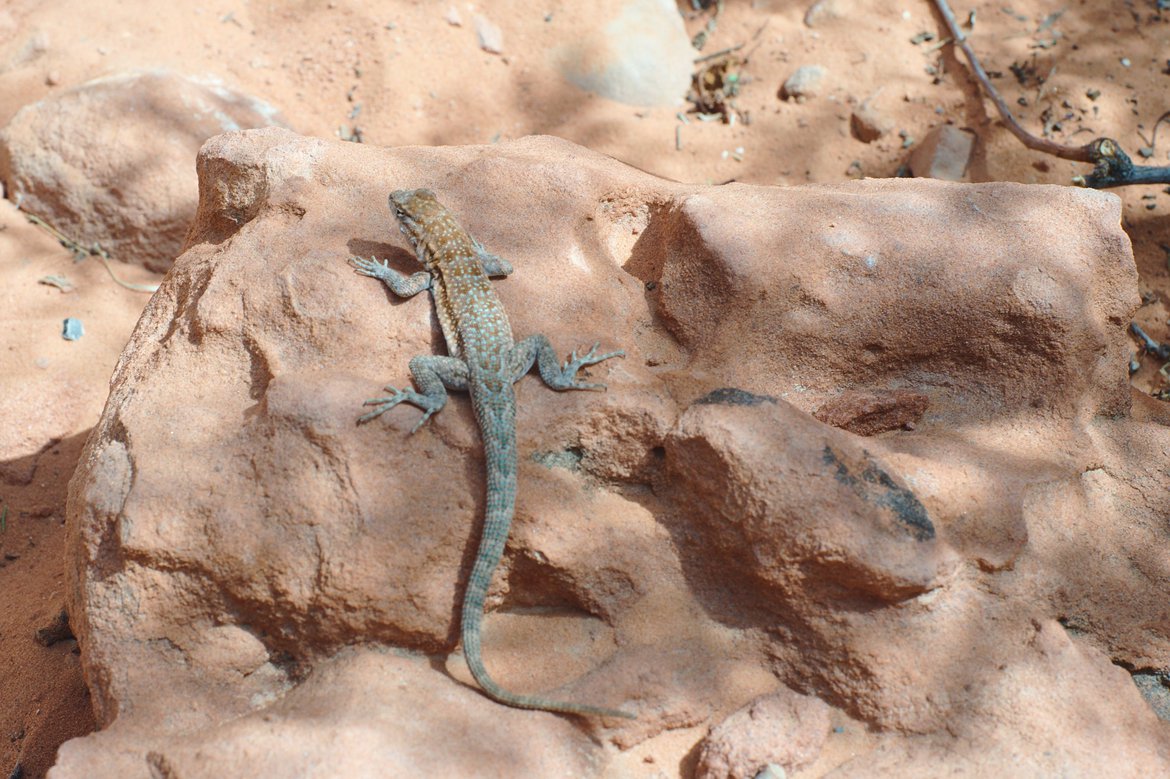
(412, 207)
(423, 220)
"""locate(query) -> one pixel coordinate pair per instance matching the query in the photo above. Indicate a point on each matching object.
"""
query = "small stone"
(58, 281)
(452, 17)
(56, 631)
(52, 78)
(779, 731)
(72, 329)
(491, 39)
(823, 12)
(943, 154)
(1093, 94)
(772, 771)
(868, 124)
(804, 83)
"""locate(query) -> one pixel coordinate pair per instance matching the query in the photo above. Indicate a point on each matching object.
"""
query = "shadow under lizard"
(485, 361)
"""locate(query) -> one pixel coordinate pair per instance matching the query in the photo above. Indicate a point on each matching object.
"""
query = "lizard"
(484, 360)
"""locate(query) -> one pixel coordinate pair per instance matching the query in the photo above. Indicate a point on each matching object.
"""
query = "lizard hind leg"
(537, 349)
(433, 375)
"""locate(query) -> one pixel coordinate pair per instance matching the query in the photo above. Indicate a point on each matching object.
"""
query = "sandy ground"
(1098, 69)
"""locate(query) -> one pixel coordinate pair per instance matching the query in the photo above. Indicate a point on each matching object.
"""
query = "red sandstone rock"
(109, 162)
(364, 713)
(685, 543)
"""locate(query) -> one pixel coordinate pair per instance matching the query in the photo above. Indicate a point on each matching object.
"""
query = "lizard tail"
(501, 499)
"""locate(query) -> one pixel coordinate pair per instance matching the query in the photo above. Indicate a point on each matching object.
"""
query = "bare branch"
(1112, 166)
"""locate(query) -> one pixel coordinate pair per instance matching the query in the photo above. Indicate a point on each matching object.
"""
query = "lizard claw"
(395, 397)
(591, 357)
(576, 363)
(383, 404)
(426, 415)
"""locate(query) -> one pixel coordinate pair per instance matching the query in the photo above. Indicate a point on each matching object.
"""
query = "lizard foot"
(378, 269)
(396, 396)
(575, 363)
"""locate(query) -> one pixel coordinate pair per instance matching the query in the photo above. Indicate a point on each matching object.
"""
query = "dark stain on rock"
(874, 485)
(730, 396)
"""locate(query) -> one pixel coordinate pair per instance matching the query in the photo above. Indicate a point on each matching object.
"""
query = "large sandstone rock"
(692, 544)
(109, 162)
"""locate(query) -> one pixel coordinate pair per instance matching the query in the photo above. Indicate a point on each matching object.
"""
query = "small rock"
(868, 124)
(804, 83)
(491, 39)
(824, 12)
(72, 329)
(60, 282)
(52, 78)
(943, 154)
(56, 631)
(453, 18)
(772, 771)
(773, 733)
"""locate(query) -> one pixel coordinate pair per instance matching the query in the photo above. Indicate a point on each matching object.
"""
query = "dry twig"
(1112, 166)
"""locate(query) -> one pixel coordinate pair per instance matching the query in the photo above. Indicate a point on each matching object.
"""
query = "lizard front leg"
(433, 375)
(492, 264)
(400, 285)
(537, 349)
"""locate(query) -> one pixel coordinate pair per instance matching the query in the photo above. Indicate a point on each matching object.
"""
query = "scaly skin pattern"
(485, 361)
